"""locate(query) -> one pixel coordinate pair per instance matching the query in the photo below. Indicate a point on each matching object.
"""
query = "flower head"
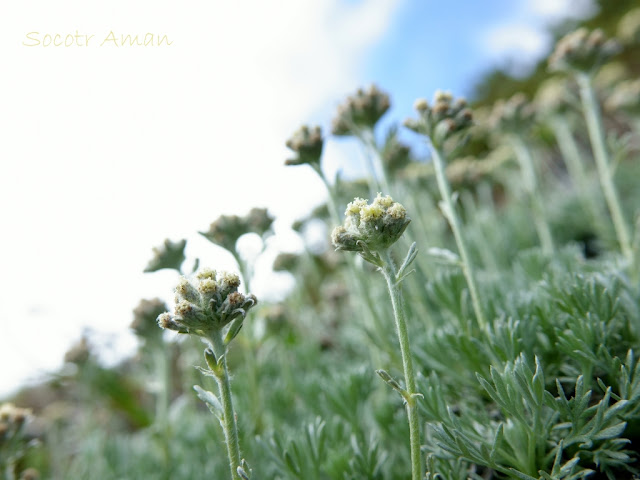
(168, 255)
(12, 419)
(441, 120)
(513, 115)
(625, 97)
(79, 352)
(227, 229)
(553, 97)
(583, 51)
(629, 26)
(360, 111)
(307, 144)
(259, 221)
(209, 303)
(370, 227)
(395, 154)
(144, 319)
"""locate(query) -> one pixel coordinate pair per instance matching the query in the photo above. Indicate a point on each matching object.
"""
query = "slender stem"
(450, 214)
(635, 264)
(531, 185)
(249, 352)
(244, 270)
(334, 212)
(575, 167)
(397, 301)
(596, 135)
(374, 161)
(163, 375)
(229, 419)
(336, 217)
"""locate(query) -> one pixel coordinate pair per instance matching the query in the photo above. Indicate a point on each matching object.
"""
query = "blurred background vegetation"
(309, 403)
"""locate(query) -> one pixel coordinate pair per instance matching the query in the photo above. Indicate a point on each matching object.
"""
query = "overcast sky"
(105, 151)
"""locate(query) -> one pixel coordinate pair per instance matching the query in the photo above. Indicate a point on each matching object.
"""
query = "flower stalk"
(527, 168)
(571, 156)
(603, 165)
(441, 122)
(370, 230)
(228, 421)
(448, 209)
(581, 53)
(214, 310)
(410, 394)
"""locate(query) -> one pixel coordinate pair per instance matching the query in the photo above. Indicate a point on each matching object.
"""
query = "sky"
(107, 150)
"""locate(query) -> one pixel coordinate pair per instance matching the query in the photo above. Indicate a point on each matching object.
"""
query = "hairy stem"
(229, 419)
(596, 135)
(397, 301)
(163, 374)
(528, 171)
(356, 273)
(374, 162)
(451, 216)
(571, 156)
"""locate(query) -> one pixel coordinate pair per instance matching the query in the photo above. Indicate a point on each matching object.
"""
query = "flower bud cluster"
(259, 221)
(395, 154)
(370, 227)
(12, 419)
(552, 97)
(79, 353)
(625, 97)
(360, 111)
(629, 26)
(513, 115)
(208, 304)
(144, 318)
(583, 51)
(286, 262)
(441, 120)
(226, 230)
(307, 144)
(169, 255)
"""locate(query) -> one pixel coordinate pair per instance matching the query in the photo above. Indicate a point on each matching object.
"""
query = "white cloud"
(554, 10)
(522, 37)
(514, 39)
(106, 151)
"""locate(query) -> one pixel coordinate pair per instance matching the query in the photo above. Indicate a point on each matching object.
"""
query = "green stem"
(573, 161)
(334, 212)
(528, 171)
(596, 135)
(635, 265)
(397, 301)
(163, 374)
(245, 272)
(374, 162)
(249, 353)
(451, 216)
(229, 419)
(356, 275)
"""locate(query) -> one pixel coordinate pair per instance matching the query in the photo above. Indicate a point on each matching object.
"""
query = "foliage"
(525, 358)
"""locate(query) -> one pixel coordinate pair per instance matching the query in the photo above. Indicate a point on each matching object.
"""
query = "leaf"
(408, 260)
(444, 255)
(234, 329)
(611, 432)
(497, 442)
(521, 475)
(211, 400)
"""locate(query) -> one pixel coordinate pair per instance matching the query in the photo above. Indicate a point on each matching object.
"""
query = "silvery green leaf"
(444, 255)
(211, 400)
